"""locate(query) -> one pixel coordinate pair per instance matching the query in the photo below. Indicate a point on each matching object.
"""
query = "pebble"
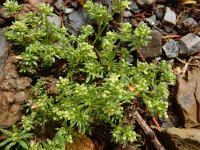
(134, 7)
(153, 49)
(127, 14)
(58, 4)
(74, 4)
(69, 10)
(190, 23)
(55, 19)
(189, 44)
(130, 59)
(169, 20)
(145, 2)
(77, 19)
(152, 20)
(188, 98)
(178, 138)
(160, 11)
(171, 48)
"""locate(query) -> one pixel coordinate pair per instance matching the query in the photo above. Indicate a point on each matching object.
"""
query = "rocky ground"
(175, 36)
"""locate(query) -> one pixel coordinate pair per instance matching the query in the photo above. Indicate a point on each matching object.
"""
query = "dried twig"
(171, 36)
(155, 122)
(186, 64)
(140, 55)
(147, 131)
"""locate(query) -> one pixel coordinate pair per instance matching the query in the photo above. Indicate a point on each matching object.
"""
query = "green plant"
(11, 8)
(17, 138)
(99, 79)
(58, 143)
(39, 40)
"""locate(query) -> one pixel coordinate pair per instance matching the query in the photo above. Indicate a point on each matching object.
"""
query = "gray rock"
(142, 23)
(169, 20)
(189, 44)
(171, 48)
(178, 139)
(59, 4)
(152, 20)
(69, 10)
(130, 59)
(55, 19)
(188, 98)
(134, 6)
(77, 19)
(74, 4)
(153, 49)
(127, 14)
(145, 2)
(160, 11)
(190, 23)
(4, 47)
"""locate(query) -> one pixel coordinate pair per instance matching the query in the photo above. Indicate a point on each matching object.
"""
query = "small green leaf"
(10, 145)
(5, 142)
(88, 78)
(6, 132)
(26, 136)
(23, 144)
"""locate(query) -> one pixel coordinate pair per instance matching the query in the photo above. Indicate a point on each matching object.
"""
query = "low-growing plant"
(16, 138)
(11, 8)
(99, 79)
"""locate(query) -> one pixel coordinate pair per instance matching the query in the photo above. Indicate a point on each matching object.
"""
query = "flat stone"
(153, 49)
(77, 19)
(178, 139)
(152, 20)
(197, 95)
(189, 44)
(145, 2)
(133, 6)
(190, 23)
(68, 10)
(127, 14)
(169, 20)
(59, 4)
(74, 4)
(4, 47)
(160, 11)
(130, 59)
(188, 98)
(55, 19)
(171, 48)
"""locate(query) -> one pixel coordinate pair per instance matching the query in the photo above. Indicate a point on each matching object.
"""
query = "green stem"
(99, 34)
(47, 28)
(100, 31)
(118, 45)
